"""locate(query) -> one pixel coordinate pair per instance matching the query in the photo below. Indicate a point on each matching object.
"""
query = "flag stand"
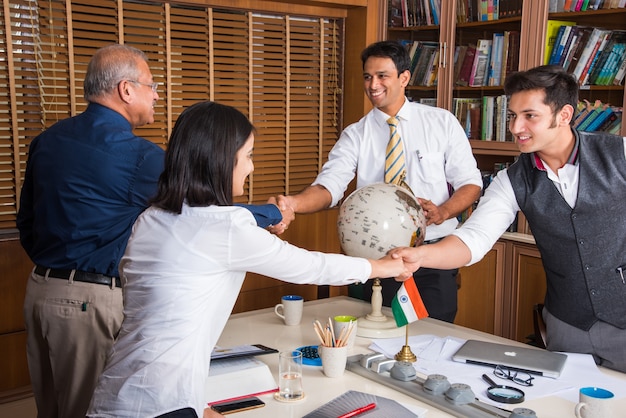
(405, 354)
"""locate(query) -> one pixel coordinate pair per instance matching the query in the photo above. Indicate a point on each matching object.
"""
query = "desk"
(264, 327)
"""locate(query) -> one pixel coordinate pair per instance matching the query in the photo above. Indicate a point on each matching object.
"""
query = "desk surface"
(264, 327)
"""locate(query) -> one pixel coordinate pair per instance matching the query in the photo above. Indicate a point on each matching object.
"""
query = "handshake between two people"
(399, 263)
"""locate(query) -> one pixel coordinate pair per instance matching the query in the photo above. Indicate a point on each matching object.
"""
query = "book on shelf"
(394, 14)
(591, 116)
(595, 39)
(481, 63)
(487, 118)
(572, 34)
(608, 54)
(619, 75)
(611, 66)
(459, 57)
(575, 38)
(495, 61)
(501, 121)
(595, 124)
(512, 59)
(466, 67)
(430, 78)
(468, 111)
(584, 35)
(435, 9)
(597, 51)
(424, 63)
(584, 109)
(555, 38)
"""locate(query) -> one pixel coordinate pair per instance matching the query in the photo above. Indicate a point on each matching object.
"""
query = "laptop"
(530, 360)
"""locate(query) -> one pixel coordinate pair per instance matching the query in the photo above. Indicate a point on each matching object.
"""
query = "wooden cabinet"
(16, 267)
(497, 294)
(481, 292)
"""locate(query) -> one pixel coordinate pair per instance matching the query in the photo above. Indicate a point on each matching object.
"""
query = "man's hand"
(286, 210)
(410, 256)
(434, 214)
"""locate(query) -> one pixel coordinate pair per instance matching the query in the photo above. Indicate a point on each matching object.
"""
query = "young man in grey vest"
(571, 186)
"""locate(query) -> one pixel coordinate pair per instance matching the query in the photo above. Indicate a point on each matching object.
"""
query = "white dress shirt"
(181, 276)
(437, 152)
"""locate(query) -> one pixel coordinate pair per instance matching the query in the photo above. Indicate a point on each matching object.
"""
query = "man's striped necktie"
(394, 158)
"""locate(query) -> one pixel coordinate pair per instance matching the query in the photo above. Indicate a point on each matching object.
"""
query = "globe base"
(377, 329)
(376, 324)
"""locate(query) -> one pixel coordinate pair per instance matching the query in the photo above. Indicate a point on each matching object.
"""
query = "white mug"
(290, 309)
(594, 403)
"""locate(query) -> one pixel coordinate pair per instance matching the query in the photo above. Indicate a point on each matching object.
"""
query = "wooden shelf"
(508, 149)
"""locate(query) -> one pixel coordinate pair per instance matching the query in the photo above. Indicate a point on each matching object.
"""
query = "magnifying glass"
(502, 393)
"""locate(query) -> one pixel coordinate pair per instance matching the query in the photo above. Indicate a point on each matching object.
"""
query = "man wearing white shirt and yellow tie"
(433, 158)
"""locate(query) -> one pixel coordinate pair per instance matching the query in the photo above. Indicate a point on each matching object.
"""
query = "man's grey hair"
(110, 65)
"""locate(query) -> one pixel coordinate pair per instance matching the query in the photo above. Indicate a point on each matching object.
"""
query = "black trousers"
(438, 289)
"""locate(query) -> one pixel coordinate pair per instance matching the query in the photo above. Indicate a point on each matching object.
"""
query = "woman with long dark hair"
(185, 263)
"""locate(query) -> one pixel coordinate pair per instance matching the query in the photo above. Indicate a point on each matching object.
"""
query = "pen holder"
(333, 360)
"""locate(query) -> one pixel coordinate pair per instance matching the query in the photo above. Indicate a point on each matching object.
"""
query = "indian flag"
(407, 305)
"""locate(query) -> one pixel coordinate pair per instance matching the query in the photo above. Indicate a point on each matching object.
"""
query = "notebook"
(530, 360)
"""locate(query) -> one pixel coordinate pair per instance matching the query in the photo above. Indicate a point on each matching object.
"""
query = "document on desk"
(352, 400)
(237, 378)
(434, 356)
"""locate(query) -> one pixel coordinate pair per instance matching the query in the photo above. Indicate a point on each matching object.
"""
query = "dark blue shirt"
(87, 180)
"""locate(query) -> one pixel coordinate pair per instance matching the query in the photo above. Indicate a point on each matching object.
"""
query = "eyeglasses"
(153, 86)
(515, 376)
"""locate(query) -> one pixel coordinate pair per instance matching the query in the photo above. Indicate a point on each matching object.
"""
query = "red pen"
(358, 411)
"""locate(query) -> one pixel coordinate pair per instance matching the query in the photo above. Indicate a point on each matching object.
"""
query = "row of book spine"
(424, 62)
(486, 10)
(486, 118)
(483, 118)
(560, 6)
(409, 13)
(594, 55)
(488, 61)
(598, 116)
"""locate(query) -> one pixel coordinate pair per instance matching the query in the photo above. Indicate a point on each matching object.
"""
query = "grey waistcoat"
(584, 248)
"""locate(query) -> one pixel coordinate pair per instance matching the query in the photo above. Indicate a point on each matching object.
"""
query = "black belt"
(79, 276)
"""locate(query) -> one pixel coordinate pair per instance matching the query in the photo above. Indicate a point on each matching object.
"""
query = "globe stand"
(376, 324)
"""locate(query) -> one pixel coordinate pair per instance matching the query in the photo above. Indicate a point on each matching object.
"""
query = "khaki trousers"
(70, 329)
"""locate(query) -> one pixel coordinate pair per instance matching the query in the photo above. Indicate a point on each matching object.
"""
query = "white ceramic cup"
(289, 376)
(290, 309)
(333, 360)
(341, 322)
(594, 403)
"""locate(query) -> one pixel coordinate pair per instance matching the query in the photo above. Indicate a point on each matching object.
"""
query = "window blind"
(283, 71)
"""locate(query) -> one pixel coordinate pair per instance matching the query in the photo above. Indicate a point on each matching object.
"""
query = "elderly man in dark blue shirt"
(87, 180)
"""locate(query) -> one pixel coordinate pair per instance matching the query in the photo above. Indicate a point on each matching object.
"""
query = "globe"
(378, 217)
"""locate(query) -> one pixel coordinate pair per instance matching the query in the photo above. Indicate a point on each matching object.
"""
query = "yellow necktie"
(394, 157)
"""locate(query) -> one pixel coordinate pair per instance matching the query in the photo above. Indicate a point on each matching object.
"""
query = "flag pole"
(405, 354)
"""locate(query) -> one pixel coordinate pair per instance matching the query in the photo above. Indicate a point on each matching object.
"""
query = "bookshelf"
(609, 19)
(460, 27)
(531, 22)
